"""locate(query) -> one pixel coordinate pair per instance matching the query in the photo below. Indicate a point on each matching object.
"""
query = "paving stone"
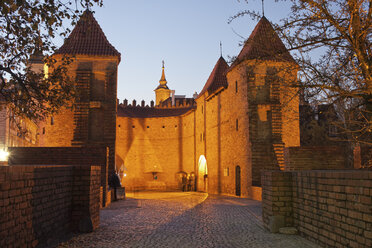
(288, 230)
(184, 219)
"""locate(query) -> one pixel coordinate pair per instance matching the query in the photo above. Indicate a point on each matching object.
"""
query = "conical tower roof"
(264, 44)
(87, 38)
(217, 78)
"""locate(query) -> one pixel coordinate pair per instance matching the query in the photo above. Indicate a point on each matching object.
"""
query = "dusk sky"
(185, 34)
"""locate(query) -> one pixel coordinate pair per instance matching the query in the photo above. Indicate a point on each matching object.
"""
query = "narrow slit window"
(237, 125)
(236, 86)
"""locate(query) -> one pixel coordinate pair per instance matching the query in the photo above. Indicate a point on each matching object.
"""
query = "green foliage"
(27, 27)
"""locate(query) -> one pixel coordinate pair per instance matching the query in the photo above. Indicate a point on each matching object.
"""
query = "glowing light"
(203, 165)
(125, 174)
(4, 155)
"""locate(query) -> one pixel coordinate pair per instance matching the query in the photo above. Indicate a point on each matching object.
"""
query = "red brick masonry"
(63, 156)
(332, 208)
(39, 204)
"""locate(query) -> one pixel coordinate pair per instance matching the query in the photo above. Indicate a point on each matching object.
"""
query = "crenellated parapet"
(176, 103)
(143, 110)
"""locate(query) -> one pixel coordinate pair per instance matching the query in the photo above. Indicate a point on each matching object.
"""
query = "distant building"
(16, 131)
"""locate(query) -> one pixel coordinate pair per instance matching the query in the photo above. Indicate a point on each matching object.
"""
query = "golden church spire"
(162, 92)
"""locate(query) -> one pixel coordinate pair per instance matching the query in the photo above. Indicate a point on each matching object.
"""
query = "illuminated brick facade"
(239, 123)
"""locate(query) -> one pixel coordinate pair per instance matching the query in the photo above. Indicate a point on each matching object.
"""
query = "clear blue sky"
(185, 34)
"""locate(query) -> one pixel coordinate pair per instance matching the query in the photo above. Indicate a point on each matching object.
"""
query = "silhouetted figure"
(114, 182)
(189, 183)
(184, 182)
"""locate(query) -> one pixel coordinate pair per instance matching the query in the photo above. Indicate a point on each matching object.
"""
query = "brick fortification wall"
(40, 204)
(156, 144)
(92, 120)
(315, 158)
(63, 156)
(332, 208)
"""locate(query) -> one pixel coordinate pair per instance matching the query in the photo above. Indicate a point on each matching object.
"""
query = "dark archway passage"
(237, 181)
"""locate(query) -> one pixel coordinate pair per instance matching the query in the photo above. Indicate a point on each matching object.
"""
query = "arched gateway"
(202, 174)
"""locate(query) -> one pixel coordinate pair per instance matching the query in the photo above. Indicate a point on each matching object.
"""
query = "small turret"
(162, 92)
(36, 62)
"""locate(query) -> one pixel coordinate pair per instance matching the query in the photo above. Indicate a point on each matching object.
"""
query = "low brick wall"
(40, 204)
(64, 156)
(315, 158)
(277, 199)
(332, 208)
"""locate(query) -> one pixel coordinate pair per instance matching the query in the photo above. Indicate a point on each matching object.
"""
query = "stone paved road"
(178, 219)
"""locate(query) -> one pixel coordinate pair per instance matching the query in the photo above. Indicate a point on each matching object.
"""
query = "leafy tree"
(331, 42)
(27, 29)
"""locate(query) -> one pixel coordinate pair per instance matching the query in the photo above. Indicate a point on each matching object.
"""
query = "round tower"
(265, 74)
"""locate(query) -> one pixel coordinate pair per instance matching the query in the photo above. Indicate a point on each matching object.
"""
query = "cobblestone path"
(179, 219)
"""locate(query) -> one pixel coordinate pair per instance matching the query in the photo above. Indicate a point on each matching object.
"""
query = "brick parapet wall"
(85, 196)
(332, 208)
(277, 197)
(37, 202)
(64, 156)
(315, 158)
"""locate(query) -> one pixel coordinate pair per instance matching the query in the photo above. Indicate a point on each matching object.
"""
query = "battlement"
(143, 104)
(177, 103)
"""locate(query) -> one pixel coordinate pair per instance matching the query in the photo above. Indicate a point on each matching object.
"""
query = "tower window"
(133, 126)
(148, 126)
(236, 86)
(43, 130)
(163, 126)
(226, 172)
(237, 125)
(51, 120)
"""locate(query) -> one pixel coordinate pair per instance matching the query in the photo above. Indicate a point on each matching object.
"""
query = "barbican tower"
(91, 119)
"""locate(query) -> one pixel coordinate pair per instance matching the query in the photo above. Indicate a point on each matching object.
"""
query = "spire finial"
(162, 79)
(87, 6)
(263, 9)
(221, 48)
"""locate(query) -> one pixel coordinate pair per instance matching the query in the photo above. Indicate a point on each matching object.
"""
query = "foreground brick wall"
(86, 196)
(63, 156)
(315, 158)
(277, 198)
(39, 204)
(332, 208)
